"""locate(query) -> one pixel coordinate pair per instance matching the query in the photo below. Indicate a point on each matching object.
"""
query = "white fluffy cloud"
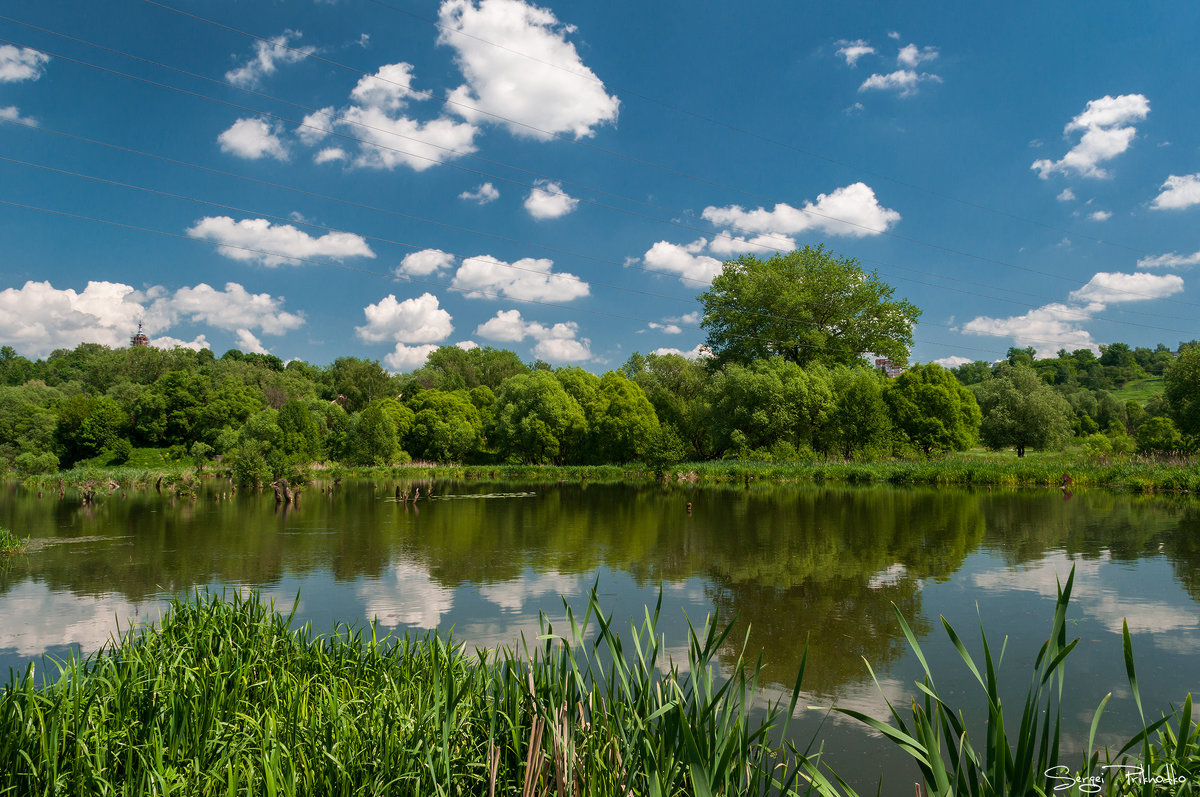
(168, 342)
(725, 245)
(417, 320)
(1178, 192)
(389, 89)
(1059, 325)
(21, 63)
(903, 81)
(13, 114)
(1067, 195)
(482, 195)
(696, 353)
(1100, 215)
(854, 50)
(953, 361)
(554, 344)
(253, 139)
(668, 329)
(248, 342)
(316, 126)
(851, 210)
(266, 59)
(330, 154)
(534, 77)
(38, 318)
(425, 262)
(274, 244)
(1107, 133)
(408, 358)
(1171, 260)
(911, 55)
(684, 260)
(547, 200)
(401, 141)
(526, 279)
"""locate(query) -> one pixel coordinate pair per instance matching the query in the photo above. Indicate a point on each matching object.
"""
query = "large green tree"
(932, 409)
(1182, 392)
(806, 306)
(1021, 411)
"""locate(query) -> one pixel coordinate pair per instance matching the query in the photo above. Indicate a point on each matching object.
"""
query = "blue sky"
(380, 178)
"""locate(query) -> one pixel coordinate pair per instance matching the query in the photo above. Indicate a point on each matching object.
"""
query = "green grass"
(1140, 390)
(9, 543)
(225, 698)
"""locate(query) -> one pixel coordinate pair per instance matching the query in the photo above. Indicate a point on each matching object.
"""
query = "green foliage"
(675, 386)
(769, 401)
(447, 426)
(30, 463)
(1182, 390)
(9, 543)
(372, 438)
(301, 437)
(360, 381)
(809, 306)
(1021, 411)
(858, 420)
(1158, 436)
(932, 409)
(537, 421)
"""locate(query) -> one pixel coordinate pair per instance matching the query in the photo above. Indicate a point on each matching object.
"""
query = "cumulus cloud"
(417, 320)
(12, 114)
(1100, 215)
(693, 354)
(482, 195)
(21, 63)
(725, 245)
(1107, 133)
(253, 139)
(911, 55)
(38, 318)
(167, 342)
(1067, 195)
(1171, 260)
(267, 58)
(669, 329)
(330, 154)
(854, 50)
(534, 77)
(851, 210)
(401, 141)
(425, 262)
(555, 344)
(389, 89)
(275, 243)
(953, 361)
(316, 126)
(408, 358)
(684, 260)
(526, 279)
(1178, 192)
(903, 81)
(547, 200)
(246, 341)
(1059, 325)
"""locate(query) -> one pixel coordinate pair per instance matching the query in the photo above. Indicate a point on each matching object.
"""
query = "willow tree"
(806, 306)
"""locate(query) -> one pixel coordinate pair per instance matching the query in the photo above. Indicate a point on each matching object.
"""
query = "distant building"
(889, 368)
(139, 338)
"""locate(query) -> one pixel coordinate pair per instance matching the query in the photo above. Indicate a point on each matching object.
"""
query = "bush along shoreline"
(225, 697)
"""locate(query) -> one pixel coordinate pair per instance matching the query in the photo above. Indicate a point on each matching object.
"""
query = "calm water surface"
(795, 565)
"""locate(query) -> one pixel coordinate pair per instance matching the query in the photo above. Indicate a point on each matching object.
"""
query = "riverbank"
(972, 469)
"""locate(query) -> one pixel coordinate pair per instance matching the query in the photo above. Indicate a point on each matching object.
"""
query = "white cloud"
(694, 354)
(685, 260)
(725, 245)
(167, 342)
(894, 35)
(316, 126)
(1059, 325)
(911, 55)
(266, 59)
(410, 597)
(851, 210)
(467, 345)
(21, 63)
(555, 344)
(247, 342)
(401, 141)
(275, 243)
(902, 81)
(547, 200)
(417, 320)
(1100, 215)
(408, 358)
(526, 279)
(330, 154)
(534, 77)
(1106, 134)
(253, 139)
(1067, 195)
(691, 319)
(953, 361)
(854, 50)
(233, 308)
(669, 329)
(1115, 287)
(1172, 260)
(425, 262)
(483, 194)
(389, 89)
(1178, 192)
(38, 318)
(13, 114)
